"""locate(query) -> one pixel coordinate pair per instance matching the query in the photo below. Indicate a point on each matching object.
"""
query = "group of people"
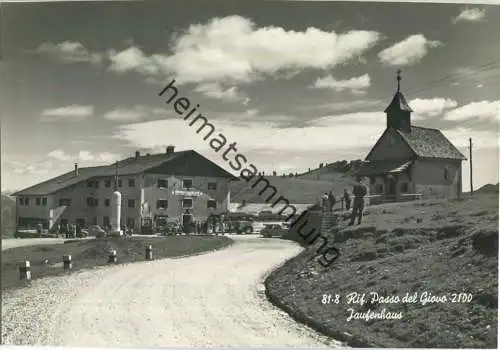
(359, 191)
(68, 230)
(329, 200)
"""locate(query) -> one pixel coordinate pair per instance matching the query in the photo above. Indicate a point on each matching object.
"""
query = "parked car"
(243, 227)
(95, 230)
(27, 233)
(33, 233)
(273, 230)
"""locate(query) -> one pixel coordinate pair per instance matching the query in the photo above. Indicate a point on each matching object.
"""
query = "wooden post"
(112, 257)
(25, 271)
(149, 252)
(68, 265)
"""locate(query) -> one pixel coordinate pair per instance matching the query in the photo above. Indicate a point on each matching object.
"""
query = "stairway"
(328, 220)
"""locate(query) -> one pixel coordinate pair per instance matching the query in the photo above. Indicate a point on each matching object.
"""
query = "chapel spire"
(399, 111)
(399, 79)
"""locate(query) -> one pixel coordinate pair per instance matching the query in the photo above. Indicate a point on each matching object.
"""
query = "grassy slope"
(488, 188)
(438, 247)
(304, 189)
(92, 253)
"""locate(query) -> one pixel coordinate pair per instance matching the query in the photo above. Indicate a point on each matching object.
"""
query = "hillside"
(306, 188)
(331, 171)
(8, 215)
(296, 189)
(438, 247)
(488, 188)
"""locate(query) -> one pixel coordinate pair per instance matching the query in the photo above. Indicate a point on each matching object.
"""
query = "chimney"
(137, 155)
(170, 149)
(76, 169)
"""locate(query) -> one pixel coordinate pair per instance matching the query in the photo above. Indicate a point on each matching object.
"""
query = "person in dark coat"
(324, 201)
(359, 191)
(347, 200)
(331, 201)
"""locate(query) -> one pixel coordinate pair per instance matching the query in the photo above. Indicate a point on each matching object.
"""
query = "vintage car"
(94, 230)
(240, 223)
(38, 232)
(273, 230)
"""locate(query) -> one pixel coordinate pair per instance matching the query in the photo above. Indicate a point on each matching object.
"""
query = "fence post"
(68, 265)
(149, 252)
(112, 257)
(25, 271)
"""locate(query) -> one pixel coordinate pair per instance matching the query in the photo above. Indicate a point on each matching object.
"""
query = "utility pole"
(470, 165)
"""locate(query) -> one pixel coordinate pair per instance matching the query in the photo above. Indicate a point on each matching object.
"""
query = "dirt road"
(214, 299)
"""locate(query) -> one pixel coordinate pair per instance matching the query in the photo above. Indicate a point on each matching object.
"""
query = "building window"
(21, 200)
(446, 173)
(96, 184)
(131, 203)
(96, 203)
(162, 183)
(131, 182)
(90, 184)
(64, 201)
(212, 186)
(44, 201)
(211, 204)
(26, 201)
(161, 204)
(38, 201)
(107, 183)
(120, 183)
(187, 203)
(105, 221)
(379, 188)
(404, 187)
(90, 201)
(106, 202)
(187, 183)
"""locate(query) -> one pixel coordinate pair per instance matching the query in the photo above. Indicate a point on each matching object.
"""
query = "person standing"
(359, 190)
(325, 201)
(347, 200)
(331, 201)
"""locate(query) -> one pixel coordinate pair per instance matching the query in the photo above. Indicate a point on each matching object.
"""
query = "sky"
(293, 83)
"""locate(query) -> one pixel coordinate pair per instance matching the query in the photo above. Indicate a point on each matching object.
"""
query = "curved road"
(214, 299)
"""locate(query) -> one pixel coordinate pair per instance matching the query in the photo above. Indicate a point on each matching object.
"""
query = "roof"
(256, 208)
(127, 166)
(399, 103)
(430, 143)
(378, 167)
